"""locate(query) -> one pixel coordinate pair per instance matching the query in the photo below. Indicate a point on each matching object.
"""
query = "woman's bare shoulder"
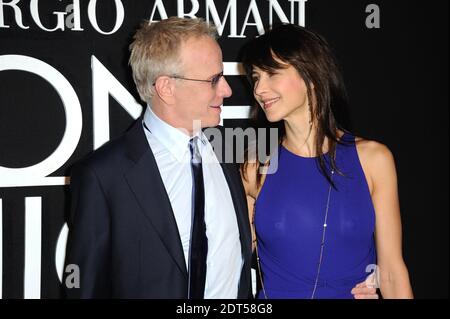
(377, 162)
(372, 151)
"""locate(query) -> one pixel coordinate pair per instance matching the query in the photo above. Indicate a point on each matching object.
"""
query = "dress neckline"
(344, 138)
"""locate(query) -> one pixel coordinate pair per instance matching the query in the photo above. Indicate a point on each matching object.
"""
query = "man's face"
(195, 100)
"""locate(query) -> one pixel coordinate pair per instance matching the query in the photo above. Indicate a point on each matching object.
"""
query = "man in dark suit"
(133, 220)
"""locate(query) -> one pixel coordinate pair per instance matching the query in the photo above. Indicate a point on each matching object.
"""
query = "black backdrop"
(397, 78)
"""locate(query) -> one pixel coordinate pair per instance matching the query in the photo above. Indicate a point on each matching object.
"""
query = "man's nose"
(224, 88)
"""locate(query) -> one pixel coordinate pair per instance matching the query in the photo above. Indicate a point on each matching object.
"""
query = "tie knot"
(195, 151)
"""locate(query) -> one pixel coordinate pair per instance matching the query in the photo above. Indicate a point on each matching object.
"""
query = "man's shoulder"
(114, 153)
(109, 154)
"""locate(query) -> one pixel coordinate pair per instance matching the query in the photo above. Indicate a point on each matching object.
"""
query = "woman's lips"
(270, 102)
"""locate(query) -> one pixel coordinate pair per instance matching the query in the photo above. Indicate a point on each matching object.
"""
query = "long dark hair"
(310, 54)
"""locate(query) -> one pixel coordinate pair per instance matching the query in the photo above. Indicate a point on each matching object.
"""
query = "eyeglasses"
(214, 80)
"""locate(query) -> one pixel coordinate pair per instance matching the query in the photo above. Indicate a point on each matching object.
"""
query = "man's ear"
(164, 88)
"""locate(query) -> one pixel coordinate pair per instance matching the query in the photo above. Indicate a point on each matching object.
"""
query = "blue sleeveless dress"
(289, 218)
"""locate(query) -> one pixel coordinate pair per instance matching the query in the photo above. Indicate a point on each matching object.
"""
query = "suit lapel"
(239, 201)
(146, 183)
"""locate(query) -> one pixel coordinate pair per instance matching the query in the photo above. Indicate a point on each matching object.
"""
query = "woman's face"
(281, 94)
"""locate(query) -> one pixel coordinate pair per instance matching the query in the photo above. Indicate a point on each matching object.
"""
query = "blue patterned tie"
(199, 241)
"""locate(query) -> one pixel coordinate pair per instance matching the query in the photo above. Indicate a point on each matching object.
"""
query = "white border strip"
(235, 112)
(40, 181)
(33, 233)
(233, 68)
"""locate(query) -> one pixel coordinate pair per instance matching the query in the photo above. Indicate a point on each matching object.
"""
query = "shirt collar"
(173, 139)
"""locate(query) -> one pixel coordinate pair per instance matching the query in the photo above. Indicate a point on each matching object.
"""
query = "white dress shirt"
(170, 147)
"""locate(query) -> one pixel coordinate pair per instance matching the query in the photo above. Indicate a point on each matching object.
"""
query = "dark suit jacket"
(123, 234)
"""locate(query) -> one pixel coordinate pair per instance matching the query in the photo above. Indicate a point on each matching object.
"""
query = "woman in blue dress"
(329, 215)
